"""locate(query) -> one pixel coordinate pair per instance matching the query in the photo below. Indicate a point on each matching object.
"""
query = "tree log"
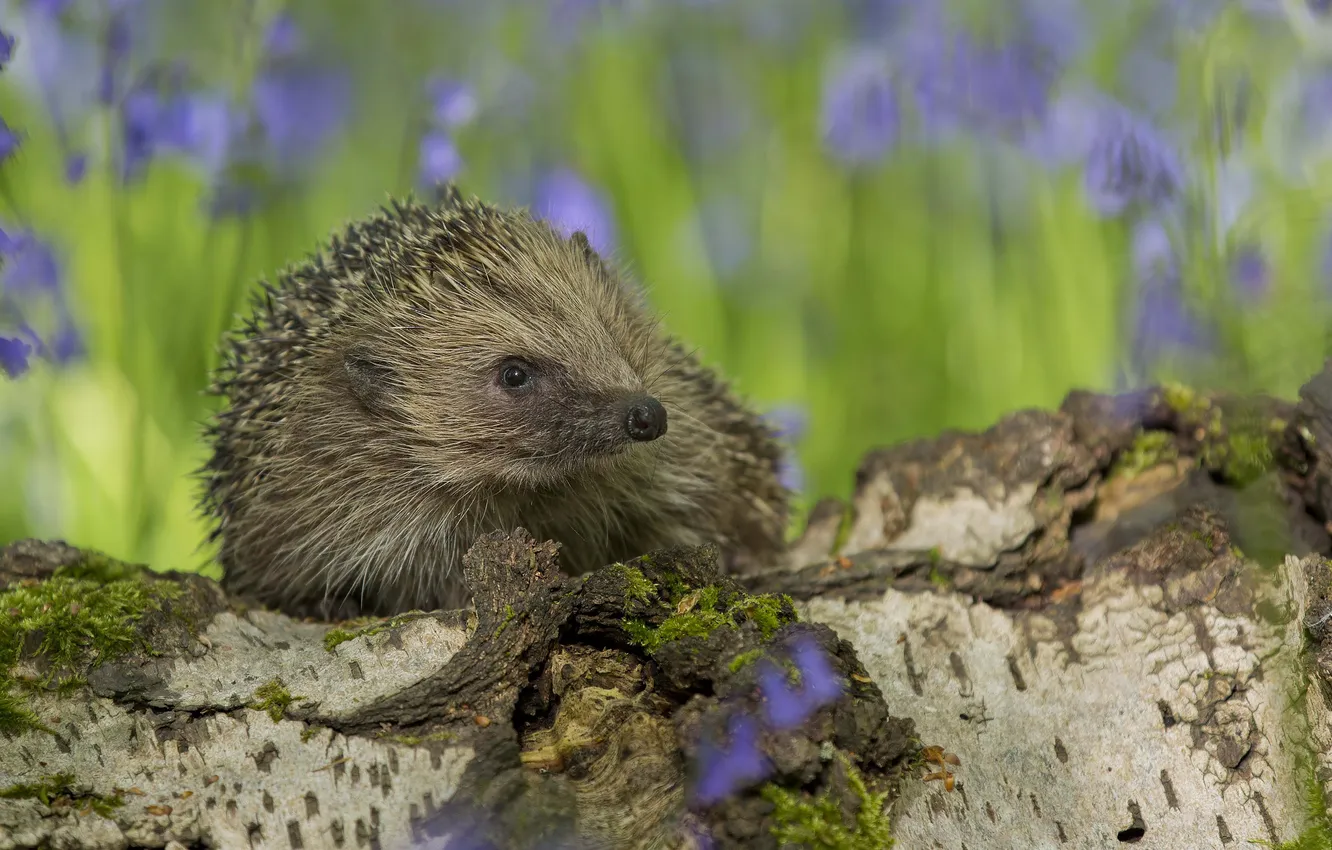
(1108, 624)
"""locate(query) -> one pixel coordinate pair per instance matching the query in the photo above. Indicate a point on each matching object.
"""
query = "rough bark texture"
(1109, 624)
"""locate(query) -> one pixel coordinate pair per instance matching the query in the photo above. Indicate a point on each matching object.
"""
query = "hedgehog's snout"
(645, 420)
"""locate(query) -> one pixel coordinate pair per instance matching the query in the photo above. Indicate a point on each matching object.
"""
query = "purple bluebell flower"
(66, 343)
(6, 48)
(789, 424)
(723, 771)
(76, 166)
(439, 160)
(10, 140)
(14, 354)
(1251, 274)
(1130, 163)
(1058, 29)
(200, 126)
(64, 65)
(1163, 322)
(50, 8)
(790, 421)
(115, 48)
(283, 36)
(568, 203)
(300, 108)
(30, 266)
(790, 472)
(1164, 325)
(961, 85)
(859, 117)
(819, 686)
(452, 102)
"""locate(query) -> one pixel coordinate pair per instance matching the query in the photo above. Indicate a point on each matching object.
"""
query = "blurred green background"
(880, 219)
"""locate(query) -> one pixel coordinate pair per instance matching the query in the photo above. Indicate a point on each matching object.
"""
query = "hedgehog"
(446, 369)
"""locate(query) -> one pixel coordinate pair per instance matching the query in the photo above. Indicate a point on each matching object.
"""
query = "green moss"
(274, 698)
(15, 716)
(81, 621)
(818, 823)
(744, 659)
(336, 636)
(1241, 457)
(1240, 448)
(706, 612)
(938, 579)
(509, 614)
(637, 588)
(416, 740)
(102, 569)
(1185, 401)
(764, 611)
(1149, 449)
(1318, 834)
(51, 788)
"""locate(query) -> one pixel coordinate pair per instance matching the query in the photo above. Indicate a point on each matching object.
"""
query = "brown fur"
(367, 442)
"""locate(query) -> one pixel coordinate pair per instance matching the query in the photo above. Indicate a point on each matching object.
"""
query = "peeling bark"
(1115, 645)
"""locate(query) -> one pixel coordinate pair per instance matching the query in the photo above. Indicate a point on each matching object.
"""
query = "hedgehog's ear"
(584, 246)
(581, 242)
(369, 377)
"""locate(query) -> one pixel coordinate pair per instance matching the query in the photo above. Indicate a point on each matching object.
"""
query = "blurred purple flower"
(199, 126)
(1163, 323)
(6, 48)
(961, 85)
(790, 473)
(789, 421)
(859, 118)
(568, 203)
(76, 166)
(10, 140)
(64, 65)
(14, 354)
(66, 343)
(300, 108)
(1251, 274)
(819, 686)
(722, 772)
(789, 424)
(50, 8)
(116, 45)
(1130, 163)
(29, 265)
(1057, 29)
(30, 274)
(439, 160)
(1152, 251)
(283, 37)
(452, 102)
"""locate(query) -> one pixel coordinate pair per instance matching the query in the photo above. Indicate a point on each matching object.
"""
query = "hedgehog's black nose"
(646, 420)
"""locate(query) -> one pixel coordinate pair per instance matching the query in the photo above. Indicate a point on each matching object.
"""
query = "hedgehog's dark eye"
(515, 376)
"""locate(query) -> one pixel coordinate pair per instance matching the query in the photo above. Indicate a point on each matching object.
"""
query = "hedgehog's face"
(538, 373)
